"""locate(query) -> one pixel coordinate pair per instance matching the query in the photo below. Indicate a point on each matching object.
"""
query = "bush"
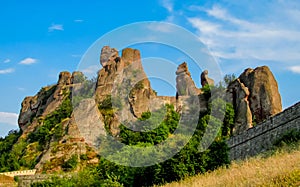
(71, 163)
(288, 138)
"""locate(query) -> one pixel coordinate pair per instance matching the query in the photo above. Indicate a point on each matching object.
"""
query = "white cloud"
(167, 4)
(295, 69)
(231, 38)
(91, 70)
(204, 26)
(28, 61)
(9, 118)
(56, 27)
(6, 71)
(6, 60)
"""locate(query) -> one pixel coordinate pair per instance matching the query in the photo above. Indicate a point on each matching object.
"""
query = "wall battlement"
(19, 173)
(262, 136)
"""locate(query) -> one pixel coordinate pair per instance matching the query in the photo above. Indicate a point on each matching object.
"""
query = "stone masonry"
(262, 136)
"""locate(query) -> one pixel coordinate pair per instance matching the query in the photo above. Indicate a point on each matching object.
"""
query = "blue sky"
(39, 39)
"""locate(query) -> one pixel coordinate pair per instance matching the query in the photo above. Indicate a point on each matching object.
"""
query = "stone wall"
(262, 136)
(19, 173)
(26, 180)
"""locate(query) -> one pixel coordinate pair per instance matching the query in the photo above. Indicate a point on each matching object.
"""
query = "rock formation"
(122, 92)
(205, 80)
(124, 77)
(255, 97)
(264, 97)
(184, 82)
(239, 95)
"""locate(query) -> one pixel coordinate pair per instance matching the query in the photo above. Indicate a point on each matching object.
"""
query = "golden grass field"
(280, 167)
(6, 181)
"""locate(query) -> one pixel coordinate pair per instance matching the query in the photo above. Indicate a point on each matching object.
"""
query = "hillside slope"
(277, 168)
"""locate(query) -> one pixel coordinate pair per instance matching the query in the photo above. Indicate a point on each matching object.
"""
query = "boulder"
(264, 97)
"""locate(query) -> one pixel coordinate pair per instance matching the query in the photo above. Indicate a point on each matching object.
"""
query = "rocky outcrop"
(125, 78)
(264, 97)
(46, 101)
(184, 82)
(108, 55)
(255, 97)
(205, 80)
(239, 95)
(121, 94)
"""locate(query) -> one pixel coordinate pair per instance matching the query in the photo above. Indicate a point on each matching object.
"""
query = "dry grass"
(6, 181)
(279, 168)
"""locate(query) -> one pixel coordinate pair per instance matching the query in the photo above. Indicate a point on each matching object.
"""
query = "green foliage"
(228, 79)
(46, 92)
(145, 116)
(288, 138)
(86, 178)
(71, 163)
(228, 122)
(139, 85)
(148, 121)
(52, 124)
(85, 89)
(9, 159)
(187, 162)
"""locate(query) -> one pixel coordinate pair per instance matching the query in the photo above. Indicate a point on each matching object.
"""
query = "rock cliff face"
(255, 97)
(264, 96)
(45, 102)
(184, 82)
(239, 94)
(124, 74)
(205, 80)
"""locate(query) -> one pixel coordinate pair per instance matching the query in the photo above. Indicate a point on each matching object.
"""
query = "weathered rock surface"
(184, 82)
(108, 55)
(264, 97)
(255, 97)
(46, 101)
(205, 80)
(125, 78)
(239, 95)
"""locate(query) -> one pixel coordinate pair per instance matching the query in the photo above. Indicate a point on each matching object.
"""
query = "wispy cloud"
(6, 71)
(21, 89)
(91, 70)
(295, 69)
(78, 20)
(167, 4)
(9, 118)
(76, 56)
(7, 60)
(28, 61)
(229, 37)
(56, 27)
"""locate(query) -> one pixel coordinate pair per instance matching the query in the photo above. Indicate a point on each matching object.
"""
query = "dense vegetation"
(187, 162)
(19, 153)
(151, 129)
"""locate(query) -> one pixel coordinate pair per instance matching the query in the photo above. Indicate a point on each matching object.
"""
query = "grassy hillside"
(6, 181)
(280, 167)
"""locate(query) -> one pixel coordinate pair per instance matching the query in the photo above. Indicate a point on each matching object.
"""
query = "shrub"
(71, 163)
